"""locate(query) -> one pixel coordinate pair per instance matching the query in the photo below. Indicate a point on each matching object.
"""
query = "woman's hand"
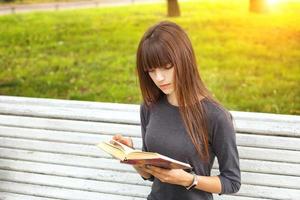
(127, 141)
(172, 176)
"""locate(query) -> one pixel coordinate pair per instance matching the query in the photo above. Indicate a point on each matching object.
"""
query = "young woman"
(181, 119)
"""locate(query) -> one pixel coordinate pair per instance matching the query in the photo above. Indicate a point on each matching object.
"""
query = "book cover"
(131, 156)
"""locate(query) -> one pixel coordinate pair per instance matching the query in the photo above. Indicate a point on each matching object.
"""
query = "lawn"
(250, 62)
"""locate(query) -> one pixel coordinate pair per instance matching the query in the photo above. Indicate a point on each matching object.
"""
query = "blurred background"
(248, 51)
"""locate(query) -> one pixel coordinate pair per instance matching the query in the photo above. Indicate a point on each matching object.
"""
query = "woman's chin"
(167, 91)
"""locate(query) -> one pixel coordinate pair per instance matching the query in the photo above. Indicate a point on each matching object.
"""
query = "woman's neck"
(172, 99)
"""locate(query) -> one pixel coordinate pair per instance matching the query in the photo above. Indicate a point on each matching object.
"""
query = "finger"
(149, 169)
(141, 165)
(118, 137)
(146, 168)
(155, 174)
(124, 141)
(158, 169)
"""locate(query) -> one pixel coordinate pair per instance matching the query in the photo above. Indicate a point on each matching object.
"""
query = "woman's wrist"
(188, 180)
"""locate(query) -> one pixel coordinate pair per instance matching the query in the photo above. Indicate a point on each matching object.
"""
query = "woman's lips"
(165, 86)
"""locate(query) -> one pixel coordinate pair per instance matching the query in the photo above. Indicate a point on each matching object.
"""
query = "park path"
(21, 8)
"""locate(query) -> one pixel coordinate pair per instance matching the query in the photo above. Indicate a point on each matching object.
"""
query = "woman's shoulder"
(215, 111)
(144, 107)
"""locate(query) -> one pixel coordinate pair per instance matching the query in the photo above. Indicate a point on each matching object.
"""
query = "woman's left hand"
(172, 176)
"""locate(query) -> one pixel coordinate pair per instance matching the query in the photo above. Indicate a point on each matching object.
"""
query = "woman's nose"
(159, 76)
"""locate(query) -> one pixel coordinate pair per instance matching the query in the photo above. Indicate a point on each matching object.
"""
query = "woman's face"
(163, 78)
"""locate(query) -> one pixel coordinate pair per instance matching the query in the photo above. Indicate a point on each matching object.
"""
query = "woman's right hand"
(124, 140)
(140, 168)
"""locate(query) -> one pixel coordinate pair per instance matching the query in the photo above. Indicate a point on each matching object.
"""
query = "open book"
(132, 156)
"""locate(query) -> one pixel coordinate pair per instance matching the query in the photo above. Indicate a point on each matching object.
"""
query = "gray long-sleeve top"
(163, 131)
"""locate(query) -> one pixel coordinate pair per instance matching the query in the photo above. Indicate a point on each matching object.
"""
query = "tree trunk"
(173, 8)
(258, 6)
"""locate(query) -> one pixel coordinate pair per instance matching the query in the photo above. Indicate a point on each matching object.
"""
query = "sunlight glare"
(272, 2)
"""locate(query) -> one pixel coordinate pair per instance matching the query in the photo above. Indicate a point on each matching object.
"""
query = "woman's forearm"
(209, 184)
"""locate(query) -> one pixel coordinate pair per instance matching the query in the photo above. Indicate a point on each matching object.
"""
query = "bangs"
(154, 54)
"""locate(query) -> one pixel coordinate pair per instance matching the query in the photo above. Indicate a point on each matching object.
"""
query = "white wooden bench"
(47, 152)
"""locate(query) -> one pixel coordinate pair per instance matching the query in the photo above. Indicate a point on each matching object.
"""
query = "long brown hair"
(167, 43)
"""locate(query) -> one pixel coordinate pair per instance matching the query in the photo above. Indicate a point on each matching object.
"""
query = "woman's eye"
(168, 66)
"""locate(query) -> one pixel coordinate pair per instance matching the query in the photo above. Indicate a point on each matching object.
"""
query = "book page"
(113, 150)
(124, 147)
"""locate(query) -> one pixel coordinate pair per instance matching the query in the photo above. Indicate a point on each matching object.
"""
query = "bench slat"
(269, 192)
(106, 174)
(60, 193)
(250, 140)
(104, 187)
(14, 196)
(93, 151)
(76, 183)
(61, 103)
(112, 164)
(122, 117)
(89, 149)
(69, 125)
(273, 127)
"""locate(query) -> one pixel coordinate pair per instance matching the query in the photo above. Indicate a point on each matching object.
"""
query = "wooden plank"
(289, 127)
(264, 154)
(235, 197)
(69, 125)
(54, 147)
(93, 151)
(269, 192)
(108, 130)
(89, 149)
(269, 167)
(258, 116)
(60, 103)
(60, 193)
(97, 127)
(268, 141)
(51, 135)
(108, 187)
(14, 196)
(106, 173)
(76, 183)
(122, 117)
(64, 159)
(269, 128)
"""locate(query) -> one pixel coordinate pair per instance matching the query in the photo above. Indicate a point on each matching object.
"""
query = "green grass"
(250, 62)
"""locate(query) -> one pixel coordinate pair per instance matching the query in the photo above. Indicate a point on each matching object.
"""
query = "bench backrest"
(47, 151)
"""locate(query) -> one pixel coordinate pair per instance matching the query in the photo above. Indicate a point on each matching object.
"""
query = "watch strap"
(194, 183)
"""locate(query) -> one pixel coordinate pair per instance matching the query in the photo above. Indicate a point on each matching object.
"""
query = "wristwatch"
(194, 183)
